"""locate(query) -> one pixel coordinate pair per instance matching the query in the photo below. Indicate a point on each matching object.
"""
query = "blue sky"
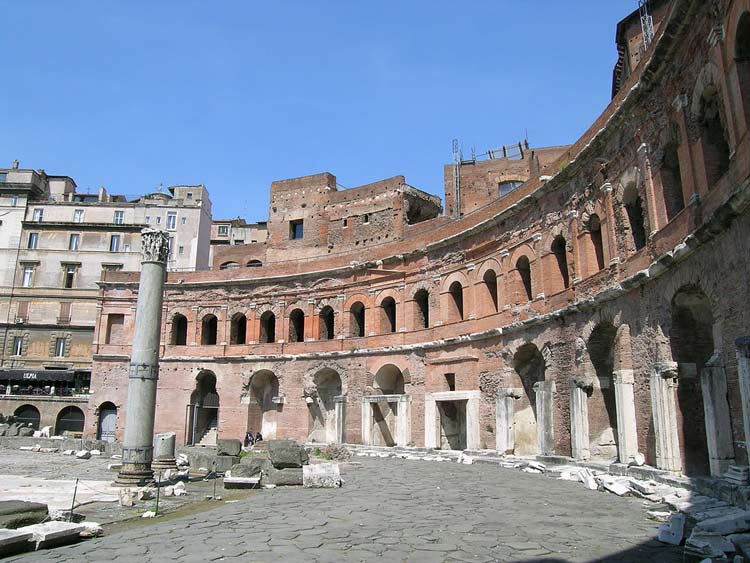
(235, 94)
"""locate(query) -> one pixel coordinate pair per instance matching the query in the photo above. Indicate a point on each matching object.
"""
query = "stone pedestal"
(716, 414)
(138, 449)
(627, 433)
(579, 420)
(505, 436)
(164, 456)
(339, 409)
(664, 406)
(545, 393)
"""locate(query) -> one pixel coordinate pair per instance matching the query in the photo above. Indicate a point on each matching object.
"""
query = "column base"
(134, 478)
(163, 464)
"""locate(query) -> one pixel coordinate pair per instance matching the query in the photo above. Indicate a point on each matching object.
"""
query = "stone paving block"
(15, 541)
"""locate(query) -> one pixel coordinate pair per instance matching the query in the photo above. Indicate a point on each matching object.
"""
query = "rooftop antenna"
(160, 188)
(647, 23)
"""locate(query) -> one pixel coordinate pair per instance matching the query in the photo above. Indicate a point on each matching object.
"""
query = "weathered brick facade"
(591, 312)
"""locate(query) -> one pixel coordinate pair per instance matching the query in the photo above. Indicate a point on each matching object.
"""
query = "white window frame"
(223, 230)
(18, 345)
(119, 217)
(59, 347)
(171, 220)
(78, 216)
(38, 215)
(74, 243)
(114, 243)
(27, 279)
(33, 243)
(14, 200)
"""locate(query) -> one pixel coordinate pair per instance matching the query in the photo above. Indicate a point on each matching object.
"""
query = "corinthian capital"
(154, 245)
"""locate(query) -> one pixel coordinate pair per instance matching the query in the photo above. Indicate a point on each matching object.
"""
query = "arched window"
(713, 135)
(267, 328)
(229, 266)
(559, 249)
(28, 414)
(671, 179)
(456, 291)
(357, 320)
(595, 232)
(490, 285)
(388, 318)
(238, 332)
(422, 308)
(179, 330)
(209, 327)
(297, 326)
(742, 58)
(327, 329)
(254, 264)
(634, 209)
(523, 266)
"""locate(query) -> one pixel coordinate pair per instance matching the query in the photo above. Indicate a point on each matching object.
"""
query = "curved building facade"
(597, 311)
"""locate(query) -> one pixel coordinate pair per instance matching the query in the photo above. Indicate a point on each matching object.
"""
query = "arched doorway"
(528, 364)
(203, 411)
(692, 344)
(324, 416)
(107, 422)
(69, 419)
(385, 411)
(602, 404)
(28, 414)
(262, 410)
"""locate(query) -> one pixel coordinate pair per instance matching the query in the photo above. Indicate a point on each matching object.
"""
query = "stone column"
(579, 419)
(164, 452)
(545, 391)
(403, 421)
(505, 438)
(743, 368)
(473, 434)
(366, 422)
(716, 414)
(627, 433)
(138, 449)
(654, 219)
(664, 406)
(431, 433)
(339, 409)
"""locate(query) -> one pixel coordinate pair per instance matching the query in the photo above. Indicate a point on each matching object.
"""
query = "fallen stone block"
(83, 454)
(25, 432)
(26, 448)
(720, 512)
(179, 489)
(114, 466)
(149, 514)
(69, 452)
(95, 452)
(146, 493)
(53, 534)
(673, 531)
(250, 467)
(126, 497)
(92, 530)
(587, 478)
(741, 543)
(13, 542)
(288, 476)
(17, 513)
(46, 431)
(643, 487)
(725, 525)
(616, 487)
(37, 434)
(49, 450)
(702, 544)
(659, 515)
(285, 454)
(228, 447)
(241, 482)
(321, 475)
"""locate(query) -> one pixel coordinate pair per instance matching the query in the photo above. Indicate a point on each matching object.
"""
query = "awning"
(33, 375)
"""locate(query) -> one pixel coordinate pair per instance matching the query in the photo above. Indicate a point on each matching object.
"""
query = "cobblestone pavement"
(399, 510)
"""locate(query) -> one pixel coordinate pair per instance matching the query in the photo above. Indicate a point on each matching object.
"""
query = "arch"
(422, 308)
(254, 264)
(229, 266)
(267, 328)
(559, 249)
(602, 407)
(209, 329)
(323, 420)
(530, 366)
(297, 326)
(28, 414)
(357, 319)
(238, 329)
(389, 380)
(69, 419)
(203, 410)
(489, 282)
(456, 309)
(178, 334)
(523, 269)
(708, 112)
(107, 422)
(692, 344)
(327, 323)
(671, 175)
(633, 204)
(263, 409)
(388, 315)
